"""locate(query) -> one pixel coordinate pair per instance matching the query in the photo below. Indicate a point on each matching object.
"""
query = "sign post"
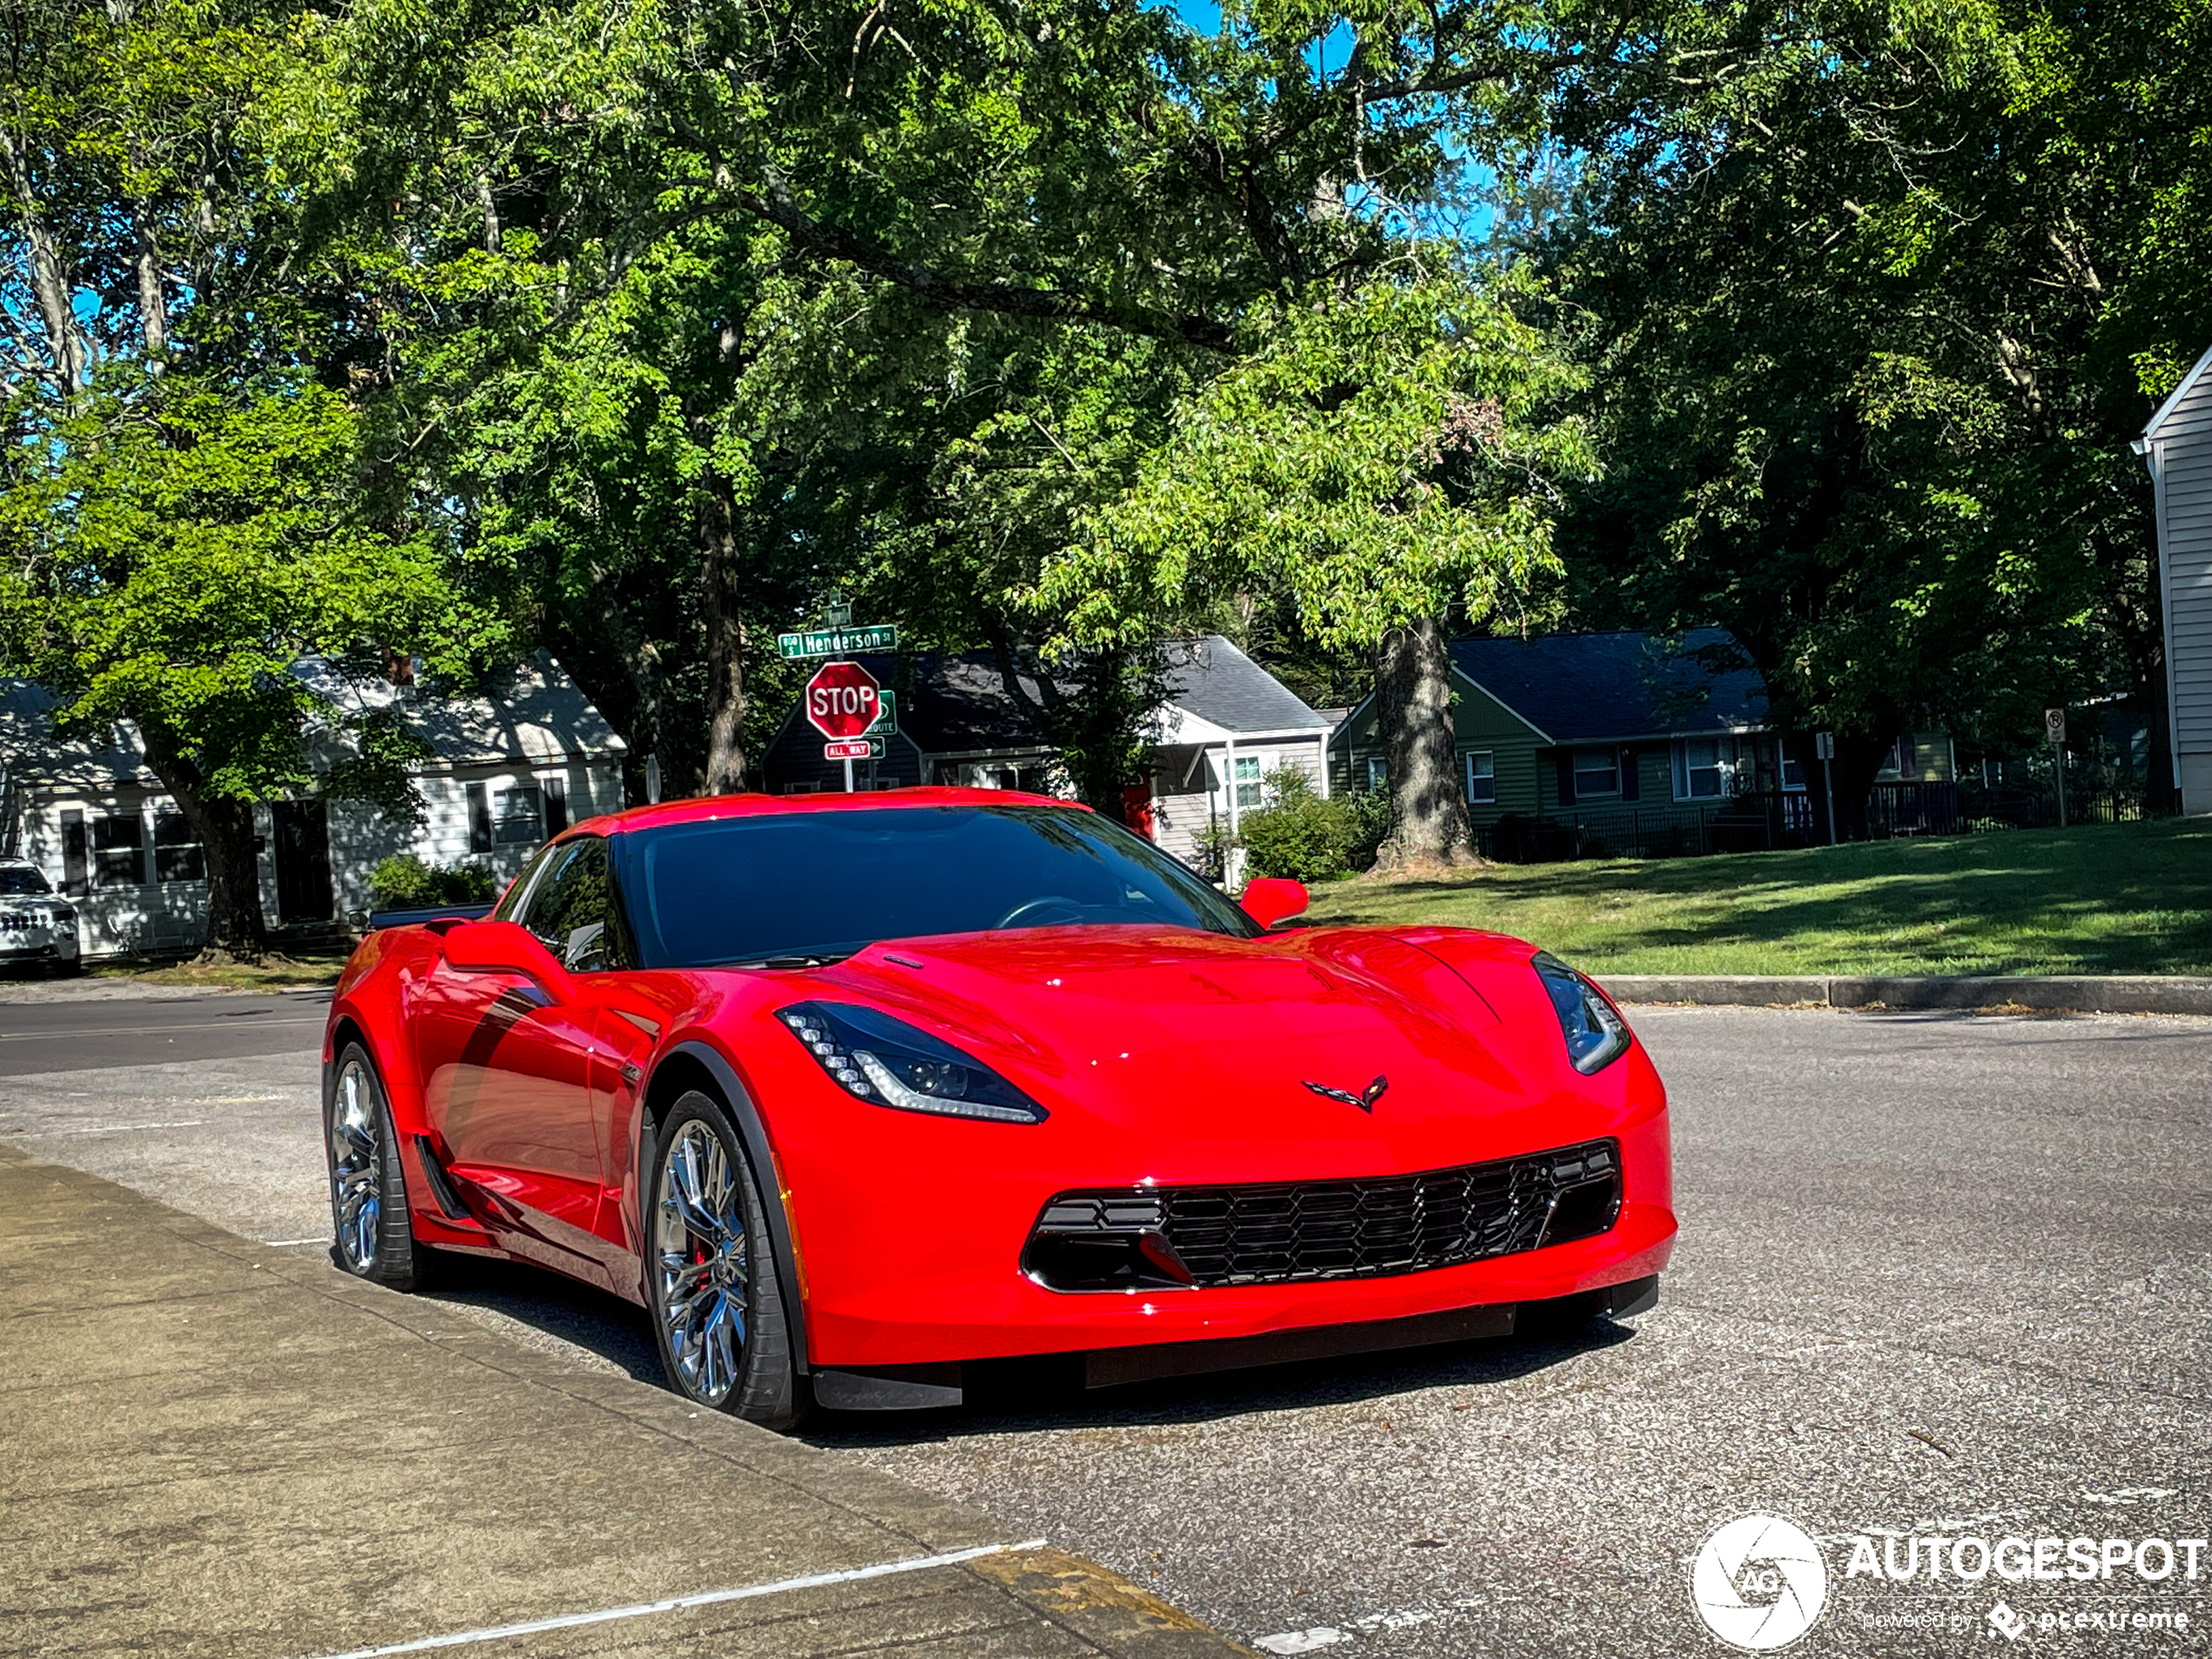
(842, 702)
(2055, 729)
(1823, 745)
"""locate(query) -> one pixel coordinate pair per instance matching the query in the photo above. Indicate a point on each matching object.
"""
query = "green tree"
(1382, 456)
(187, 507)
(1874, 297)
(885, 308)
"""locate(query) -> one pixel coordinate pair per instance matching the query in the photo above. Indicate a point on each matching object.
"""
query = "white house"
(1226, 725)
(513, 762)
(2178, 445)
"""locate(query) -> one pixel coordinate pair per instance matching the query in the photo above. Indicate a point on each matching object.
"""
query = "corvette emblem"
(1365, 1101)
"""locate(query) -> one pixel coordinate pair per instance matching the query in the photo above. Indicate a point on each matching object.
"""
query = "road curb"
(2053, 993)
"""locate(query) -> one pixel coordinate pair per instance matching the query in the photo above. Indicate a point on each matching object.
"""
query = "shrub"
(404, 882)
(1308, 839)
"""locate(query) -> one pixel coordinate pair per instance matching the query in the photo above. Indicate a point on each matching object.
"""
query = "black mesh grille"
(1289, 1232)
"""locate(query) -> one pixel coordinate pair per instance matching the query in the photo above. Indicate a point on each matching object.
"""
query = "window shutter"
(479, 819)
(1566, 757)
(557, 806)
(1631, 785)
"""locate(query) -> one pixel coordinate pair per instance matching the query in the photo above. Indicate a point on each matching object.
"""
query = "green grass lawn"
(2119, 898)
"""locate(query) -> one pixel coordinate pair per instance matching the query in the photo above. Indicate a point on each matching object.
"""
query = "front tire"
(718, 1309)
(371, 1222)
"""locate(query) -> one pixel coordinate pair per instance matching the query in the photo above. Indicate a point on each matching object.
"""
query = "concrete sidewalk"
(216, 1447)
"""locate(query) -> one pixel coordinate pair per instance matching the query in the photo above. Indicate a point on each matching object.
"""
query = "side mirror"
(1270, 899)
(507, 947)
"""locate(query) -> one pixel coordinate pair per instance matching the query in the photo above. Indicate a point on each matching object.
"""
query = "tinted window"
(815, 883)
(20, 880)
(571, 909)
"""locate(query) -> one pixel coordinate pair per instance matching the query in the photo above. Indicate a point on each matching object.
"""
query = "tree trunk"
(725, 771)
(1428, 813)
(237, 930)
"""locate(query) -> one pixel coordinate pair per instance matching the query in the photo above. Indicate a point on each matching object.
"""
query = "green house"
(1639, 744)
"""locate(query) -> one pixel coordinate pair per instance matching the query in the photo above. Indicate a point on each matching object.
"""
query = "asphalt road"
(44, 1036)
(1938, 1274)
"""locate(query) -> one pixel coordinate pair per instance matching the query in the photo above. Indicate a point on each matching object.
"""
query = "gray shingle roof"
(1577, 687)
(533, 713)
(1211, 679)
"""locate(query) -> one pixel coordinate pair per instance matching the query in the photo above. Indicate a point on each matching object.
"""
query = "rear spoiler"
(448, 914)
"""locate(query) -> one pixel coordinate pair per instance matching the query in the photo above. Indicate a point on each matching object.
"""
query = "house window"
(1597, 771)
(118, 851)
(1377, 775)
(178, 855)
(807, 788)
(1699, 773)
(1793, 774)
(518, 816)
(1251, 789)
(1906, 760)
(1482, 778)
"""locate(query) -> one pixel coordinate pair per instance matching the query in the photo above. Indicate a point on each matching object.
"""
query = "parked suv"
(36, 926)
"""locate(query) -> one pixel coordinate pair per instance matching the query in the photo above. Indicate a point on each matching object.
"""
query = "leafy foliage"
(404, 882)
(1300, 835)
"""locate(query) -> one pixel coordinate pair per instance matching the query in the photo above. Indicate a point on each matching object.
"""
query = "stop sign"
(842, 700)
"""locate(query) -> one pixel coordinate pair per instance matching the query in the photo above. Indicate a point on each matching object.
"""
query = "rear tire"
(711, 1285)
(371, 1222)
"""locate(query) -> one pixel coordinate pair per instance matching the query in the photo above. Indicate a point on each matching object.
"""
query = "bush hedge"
(404, 882)
(1308, 839)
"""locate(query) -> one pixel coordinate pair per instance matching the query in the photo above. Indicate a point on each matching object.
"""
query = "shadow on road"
(606, 1326)
(1015, 1397)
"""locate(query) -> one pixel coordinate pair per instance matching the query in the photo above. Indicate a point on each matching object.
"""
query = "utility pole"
(1823, 744)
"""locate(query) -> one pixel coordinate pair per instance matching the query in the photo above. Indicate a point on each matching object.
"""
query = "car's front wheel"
(718, 1311)
(373, 1235)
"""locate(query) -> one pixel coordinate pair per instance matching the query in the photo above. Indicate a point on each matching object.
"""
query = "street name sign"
(836, 642)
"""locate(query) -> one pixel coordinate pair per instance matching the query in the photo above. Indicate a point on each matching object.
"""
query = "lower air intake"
(1292, 1231)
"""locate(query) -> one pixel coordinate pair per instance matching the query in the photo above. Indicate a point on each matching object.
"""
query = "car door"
(509, 1079)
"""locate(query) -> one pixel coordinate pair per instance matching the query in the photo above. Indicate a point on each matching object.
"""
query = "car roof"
(708, 808)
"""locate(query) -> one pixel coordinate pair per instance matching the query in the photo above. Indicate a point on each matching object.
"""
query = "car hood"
(1183, 1036)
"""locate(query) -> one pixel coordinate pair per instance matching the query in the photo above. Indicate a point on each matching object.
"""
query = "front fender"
(753, 1129)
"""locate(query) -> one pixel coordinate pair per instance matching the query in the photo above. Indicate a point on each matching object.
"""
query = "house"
(2178, 445)
(513, 762)
(957, 727)
(1226, 723)
(1583, 728)
(1226, 726)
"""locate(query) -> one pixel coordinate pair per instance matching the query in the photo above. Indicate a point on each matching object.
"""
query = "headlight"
(877, 1058)
(1596, 1036)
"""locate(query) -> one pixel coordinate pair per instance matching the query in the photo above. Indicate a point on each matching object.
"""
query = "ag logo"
(1759, 1583)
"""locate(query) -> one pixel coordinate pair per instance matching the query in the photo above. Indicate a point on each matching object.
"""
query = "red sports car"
(853, 1093)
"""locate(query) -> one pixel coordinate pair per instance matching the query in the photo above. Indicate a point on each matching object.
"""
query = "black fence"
(1763, 821)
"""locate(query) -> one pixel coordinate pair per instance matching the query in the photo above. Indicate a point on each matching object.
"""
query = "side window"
(572, 911)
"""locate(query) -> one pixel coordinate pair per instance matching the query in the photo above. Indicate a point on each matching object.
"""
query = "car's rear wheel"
(373, 1237)
(718, 1309)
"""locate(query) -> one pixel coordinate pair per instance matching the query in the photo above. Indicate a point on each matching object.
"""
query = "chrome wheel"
(356, 1167)
(706, 1277)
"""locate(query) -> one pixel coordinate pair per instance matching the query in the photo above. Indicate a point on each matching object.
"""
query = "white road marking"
(709, 1598)
(105, 1129)
(279, 1244)
(1328, 1635)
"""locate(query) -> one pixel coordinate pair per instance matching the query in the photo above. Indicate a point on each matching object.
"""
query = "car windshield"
(809, 884)
(20, 880)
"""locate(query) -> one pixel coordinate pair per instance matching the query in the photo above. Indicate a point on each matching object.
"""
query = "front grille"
(1288, 1232)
